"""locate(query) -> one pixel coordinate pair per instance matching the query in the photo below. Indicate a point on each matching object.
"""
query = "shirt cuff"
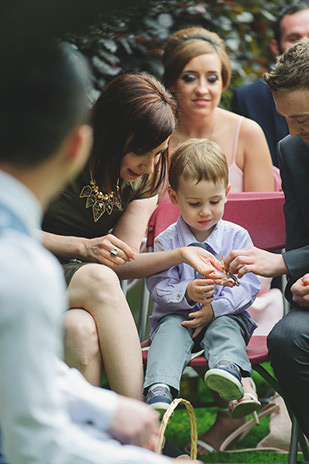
(221, 307)
(86, 403)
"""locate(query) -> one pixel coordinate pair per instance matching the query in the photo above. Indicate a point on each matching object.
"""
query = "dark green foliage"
(132, 39)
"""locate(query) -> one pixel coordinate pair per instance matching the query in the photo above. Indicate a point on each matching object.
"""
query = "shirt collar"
(21, 201)
(213, 242)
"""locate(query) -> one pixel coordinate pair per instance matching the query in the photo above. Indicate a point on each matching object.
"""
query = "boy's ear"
(173, 196)
(227, 192)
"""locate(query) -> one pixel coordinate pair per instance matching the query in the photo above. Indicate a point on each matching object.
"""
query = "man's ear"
(227, 192)
(173, 196)
(79, 143)
(273, 44)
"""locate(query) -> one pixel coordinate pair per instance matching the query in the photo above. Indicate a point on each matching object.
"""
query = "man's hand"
(200, 291)
(135, 423)
(254, 260)
(300, 291)
(201, 318)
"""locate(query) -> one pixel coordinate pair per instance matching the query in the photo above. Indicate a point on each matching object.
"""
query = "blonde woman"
(196, 71)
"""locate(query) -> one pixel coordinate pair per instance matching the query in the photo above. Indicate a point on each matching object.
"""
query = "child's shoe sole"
(224, 383)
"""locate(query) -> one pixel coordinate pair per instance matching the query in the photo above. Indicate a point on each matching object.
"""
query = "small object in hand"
(114, 252)
(228, 275)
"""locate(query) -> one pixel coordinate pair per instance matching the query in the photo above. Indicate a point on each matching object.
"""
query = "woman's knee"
(93, 283)
(81, 336)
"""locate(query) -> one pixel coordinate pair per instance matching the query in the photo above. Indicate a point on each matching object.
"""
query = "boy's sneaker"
(159, 397)
(225, 379)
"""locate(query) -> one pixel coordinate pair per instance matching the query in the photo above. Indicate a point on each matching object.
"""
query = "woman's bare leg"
(96, 289)
(81, 345)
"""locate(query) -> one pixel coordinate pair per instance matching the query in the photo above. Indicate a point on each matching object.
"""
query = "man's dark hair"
(42, 98)
(287, 10)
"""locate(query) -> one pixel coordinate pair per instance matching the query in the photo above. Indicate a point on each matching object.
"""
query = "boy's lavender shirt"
(168, 287)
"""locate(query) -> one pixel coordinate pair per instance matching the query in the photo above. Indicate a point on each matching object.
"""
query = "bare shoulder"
(250, 128)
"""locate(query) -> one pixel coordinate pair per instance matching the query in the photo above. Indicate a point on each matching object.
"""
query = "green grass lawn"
(178, 430)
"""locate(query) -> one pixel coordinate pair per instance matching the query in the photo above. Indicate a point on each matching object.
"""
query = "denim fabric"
(225, 338)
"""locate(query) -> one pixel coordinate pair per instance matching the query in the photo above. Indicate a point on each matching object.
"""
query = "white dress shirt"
(49, 414)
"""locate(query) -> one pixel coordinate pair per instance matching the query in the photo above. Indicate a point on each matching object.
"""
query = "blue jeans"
(225, 338)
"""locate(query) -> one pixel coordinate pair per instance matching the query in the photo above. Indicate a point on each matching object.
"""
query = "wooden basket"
(193, 425)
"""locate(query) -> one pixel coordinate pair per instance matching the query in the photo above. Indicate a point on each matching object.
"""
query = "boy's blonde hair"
(198, 159)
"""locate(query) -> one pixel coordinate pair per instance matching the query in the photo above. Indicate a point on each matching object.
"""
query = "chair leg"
(303, 443)
(268, 378)
(292, 459)
(143, 312)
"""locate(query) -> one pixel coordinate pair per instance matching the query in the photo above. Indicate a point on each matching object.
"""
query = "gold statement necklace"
(99, 201)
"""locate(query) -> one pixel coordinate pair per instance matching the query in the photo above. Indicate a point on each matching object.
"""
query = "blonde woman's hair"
(187, 44)
(196, 160)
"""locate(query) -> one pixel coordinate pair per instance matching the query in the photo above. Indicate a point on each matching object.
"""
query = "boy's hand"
(201, 318)
(200, 291)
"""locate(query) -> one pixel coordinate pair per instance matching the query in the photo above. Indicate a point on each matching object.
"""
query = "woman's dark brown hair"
(134, 113)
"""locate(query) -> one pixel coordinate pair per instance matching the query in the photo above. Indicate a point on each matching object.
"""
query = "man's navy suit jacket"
(255, 101)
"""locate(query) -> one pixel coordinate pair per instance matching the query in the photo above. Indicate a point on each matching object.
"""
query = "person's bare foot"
(219, 431)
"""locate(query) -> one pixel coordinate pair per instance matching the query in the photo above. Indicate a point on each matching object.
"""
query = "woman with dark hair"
(97, 224)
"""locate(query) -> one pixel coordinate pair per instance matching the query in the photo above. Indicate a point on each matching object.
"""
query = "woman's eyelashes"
(191, 77)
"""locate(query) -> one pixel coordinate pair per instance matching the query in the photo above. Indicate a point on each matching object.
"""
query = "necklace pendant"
(100, 202)
(98, 210)
(109, 206)
(117, 203)
(86, 191)
(90, 201)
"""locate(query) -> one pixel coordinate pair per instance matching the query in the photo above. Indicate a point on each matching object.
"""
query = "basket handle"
(193, 425)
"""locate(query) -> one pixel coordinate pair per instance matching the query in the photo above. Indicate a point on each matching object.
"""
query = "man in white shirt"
(49, 414)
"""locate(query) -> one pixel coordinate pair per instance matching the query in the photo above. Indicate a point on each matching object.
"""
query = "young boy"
(189, 306)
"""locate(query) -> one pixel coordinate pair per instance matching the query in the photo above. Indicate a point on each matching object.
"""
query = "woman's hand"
(99, 250)
(201, 318)
(200, 291)
(205, 263)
